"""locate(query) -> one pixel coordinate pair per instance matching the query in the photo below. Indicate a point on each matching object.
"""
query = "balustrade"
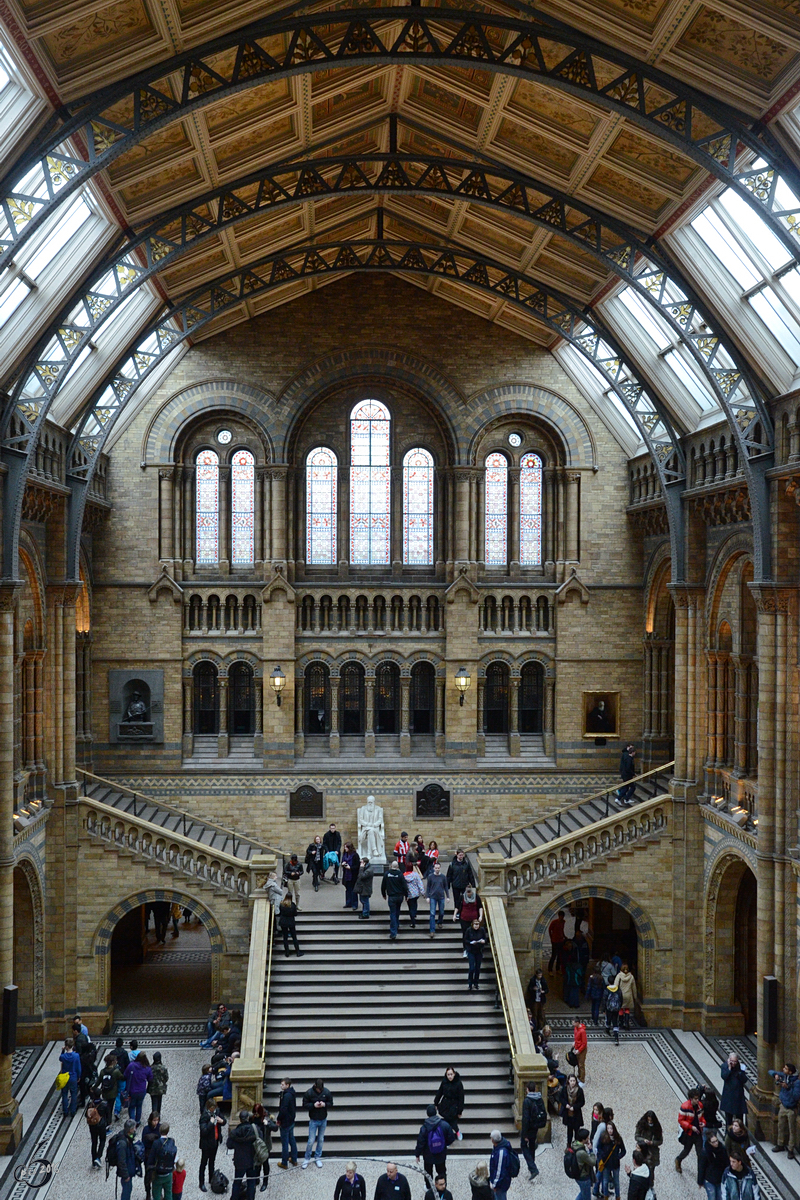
(355, 613)
(209, 613)
(506, 614)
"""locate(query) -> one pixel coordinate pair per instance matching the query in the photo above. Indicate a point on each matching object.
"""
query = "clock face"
(224, 436)
(514, 439)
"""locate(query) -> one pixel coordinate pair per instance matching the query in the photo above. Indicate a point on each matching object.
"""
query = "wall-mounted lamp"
(462, 682)
(277, 681)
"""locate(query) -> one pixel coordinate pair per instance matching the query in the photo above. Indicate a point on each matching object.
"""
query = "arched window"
(496, 549)
(207, 507)
(370, 483)
(530, 510)
(321, 468)
(243, 473)
(418, 508)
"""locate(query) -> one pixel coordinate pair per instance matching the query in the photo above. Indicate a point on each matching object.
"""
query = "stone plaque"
(432, 802)
(306, 802)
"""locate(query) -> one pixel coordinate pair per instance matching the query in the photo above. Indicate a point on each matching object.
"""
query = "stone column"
(439, 718)
(513, 515)
(462, 515)
(258, 733)
(572, 495)
(514, 745)
(187, 747)
(740, 665)
(177, 520)
(480, 734)
(188, 521)
(549, 710)
(29, 731)
(223, 741)
(405, 735)
(713, 716)
(647, 715)
(224, 520)
(334, 739)
(10, 1116)
(167, 517)
(258, 521)
(369, 718)
(278, 482)
(39, 709)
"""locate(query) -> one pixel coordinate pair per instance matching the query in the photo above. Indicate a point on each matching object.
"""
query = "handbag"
(62, 1079)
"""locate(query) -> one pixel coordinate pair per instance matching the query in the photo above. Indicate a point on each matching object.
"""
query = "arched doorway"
(531, 698)
(732, 980)
(28, 961)
(387, 698)
(351, 699)
(241, 701)
(423, 696)
(206, 699)
(317, 694)
(496, 699)
(172, 977)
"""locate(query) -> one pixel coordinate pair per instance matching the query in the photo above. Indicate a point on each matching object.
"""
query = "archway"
(531, 698)
(732, 931)
(317, 699)
(496, 698)
(206, 699)
(423, 696)
(242, 705)
(351, 693)
(387, 698)
(28, 962)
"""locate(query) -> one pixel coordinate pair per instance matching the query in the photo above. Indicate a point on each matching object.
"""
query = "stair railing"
(574, 803)
(139, 801)
(247, 1073)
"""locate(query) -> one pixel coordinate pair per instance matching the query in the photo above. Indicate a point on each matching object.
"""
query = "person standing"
(650, 1138)
(287, 917)
(610, 1153)
(212, 1124)
(691, 1135)
(536, 997)
(351, 1185)
(638, 1177)
(500, 1165)
(476, 940)
(317, 1101)
(436, 892)
(158, 1084)
(292, 874)
(732, 1102)
(71, 1066)
(789, 1098)
(595, 990)
(161, 911)
(572, 1109)
(392, 1185)
(613, 1003)
(739, 1182)
(175, 913)
(151, 1131)
(580, 1045)
(363, 888)
(415, 887)
(242, 1141)
(627, 771)
(460, 876)
(332, 847)
(586, 1161)
(98, 1118)
(127, 1162)
(449, 1099)
(479, 1182)
(262, 1121)
(138, 1077)
(434, 1136)
(439, 1191)
(163, 1156)
(351, 864)
(534, 1118)
(394, 890)
(715, 1164)
(178, 1179)
(557, 933)
(314, 866)
(274, 891)
(287, 1115)
(626, 983)
(401, 849)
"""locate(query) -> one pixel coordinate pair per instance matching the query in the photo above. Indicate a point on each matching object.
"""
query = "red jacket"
(691, 1114)
(580, 1042)
(401, 850)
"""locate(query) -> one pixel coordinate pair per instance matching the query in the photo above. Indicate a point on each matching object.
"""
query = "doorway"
(317, 699)
(242, 711)
(531, 698)
(351, 690)
(387, 698)
(423, 695)
(206, 699)
(496, 698)
(170, 979)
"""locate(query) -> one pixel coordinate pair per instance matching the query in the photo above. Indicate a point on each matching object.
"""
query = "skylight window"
(775, 316)
(750, 223)
(11, 298)
(718, 239)
(690, 380)
(72, 220)
(644, 316)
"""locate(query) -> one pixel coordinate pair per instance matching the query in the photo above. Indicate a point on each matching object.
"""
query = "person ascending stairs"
(317, 1101)
(394, 889)
(435, 1135)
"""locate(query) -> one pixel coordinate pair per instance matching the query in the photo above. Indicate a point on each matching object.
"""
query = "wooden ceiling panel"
(246, 151)
(653, 160)
(443, 103)
(736, 46)
(168, 144)
(248, 108)
(634, 199)
(548, 108)
(537, 151)
(173, 183)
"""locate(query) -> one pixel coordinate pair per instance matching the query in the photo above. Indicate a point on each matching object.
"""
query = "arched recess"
(203, 400)
(647, 940)
(564, 423)
(29, 680)
(101, 942)
(731, 933)
(28, 950)
(658, 650)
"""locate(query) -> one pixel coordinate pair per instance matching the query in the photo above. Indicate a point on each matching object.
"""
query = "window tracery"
(321, 472)
(207, 507)
(370, 484)
(418, 508)
(496, 522)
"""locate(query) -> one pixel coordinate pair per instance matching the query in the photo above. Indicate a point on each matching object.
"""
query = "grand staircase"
(380, 1021)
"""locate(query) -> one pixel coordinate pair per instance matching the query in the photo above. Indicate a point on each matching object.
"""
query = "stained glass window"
(243, 472)
(321, 468)
(370, 483)
(207, 506)
(530, 510)
(496, 531)
(418, 508)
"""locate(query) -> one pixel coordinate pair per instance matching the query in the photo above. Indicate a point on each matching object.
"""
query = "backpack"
(571, 1165)
(513, 1163)
(437, 1143)
(219, 1183)
(108, 1083)
(260, 1148)
(112, 1157)
(539, 1114)
(613, 1002)
(167, 1153)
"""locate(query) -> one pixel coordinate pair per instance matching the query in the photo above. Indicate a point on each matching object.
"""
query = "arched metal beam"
(106, 124)
(556, 312)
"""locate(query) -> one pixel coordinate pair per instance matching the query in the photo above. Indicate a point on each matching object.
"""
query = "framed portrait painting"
(601, 717)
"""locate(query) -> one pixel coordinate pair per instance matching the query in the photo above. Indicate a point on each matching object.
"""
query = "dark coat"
(150, 1134)
(126, 1157)
(732, 1100)
(427, 1125)
(638, 1186)
(287, 1109)
(363, 884)
(716, 1163)
(481, 1190)
(211, 1134)
(310, 1099)
(576, 1116)
(314, 853)
(394, 886)
(449, 1099)
(397, 1189)
(350, 867)
(332, 841)
(345, 1190)
(242, 1141)
(500, 1166)
(287, 915)
(627, 767)
(649, 1141)
(460, 874)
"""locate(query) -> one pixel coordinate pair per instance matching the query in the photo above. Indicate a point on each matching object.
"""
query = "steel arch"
(711, 133)
(308, 260)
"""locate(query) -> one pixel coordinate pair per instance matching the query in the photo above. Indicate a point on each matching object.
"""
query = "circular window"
(515, 439)
(224, 436)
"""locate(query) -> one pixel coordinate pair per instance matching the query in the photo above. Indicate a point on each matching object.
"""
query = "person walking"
(638, 1177)
(175, 913)
(151, 1131)
(392, 1185)
(536, 997)
(449, 1099)
(332, 847)
(626, 983)
(98, 1119)
(557, 933)
(534, 1118)
(580, 1045)
(691, 1135)
(317, 1101)
(732, 1101)
(351, 1185)
(460, 876)
(127, 1160)
(109, 1083)
(138, 1077)
(476, 940)
(436, 892)
(401, 849)
(71, 1066)
(470, 909)
(158, 1084)
(788, 1099)
(627, 771)
(650, 1138)
(434, 1136)
(286, 1117)
(415, 887)
(264, 1126)
(739, 1182)
(362, 888)
(161, 911)
(613, 1003)
(212, 1124)
(287, 917)
(178, 1179)
(500, 1165)
(586, 1161)
(242, 1141)
(292, 874)
(87, 1053)
(394, 889)
(313, 861)
(737, 1137)
(351, 865)
(479, 1182)
(572, 1108)
(163, 1156)
(715, 1164)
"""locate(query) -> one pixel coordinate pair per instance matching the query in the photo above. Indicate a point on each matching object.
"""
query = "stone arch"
(537, 656)
(29, 941)
(101, 941)
(211, 656)
(498, 656)
(725, 877)
(657, 575)
(645, 929)
(158, 443)
(555, 413)
(320, 656)
(236, 656)
(369, 664)
(30, 562)
(735, 547)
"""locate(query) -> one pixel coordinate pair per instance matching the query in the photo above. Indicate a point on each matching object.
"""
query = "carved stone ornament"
(432, 802)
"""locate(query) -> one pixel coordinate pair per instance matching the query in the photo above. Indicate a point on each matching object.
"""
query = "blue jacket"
(790, 1092)
(127, 1166)
(70, 1061)
(500, 1166)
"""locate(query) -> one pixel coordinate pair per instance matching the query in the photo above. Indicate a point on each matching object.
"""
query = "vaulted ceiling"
(743, 52)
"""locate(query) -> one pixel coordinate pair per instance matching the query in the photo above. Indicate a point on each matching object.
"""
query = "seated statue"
(371, 832)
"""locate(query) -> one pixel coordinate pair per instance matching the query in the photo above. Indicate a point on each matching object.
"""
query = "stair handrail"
(247, 1073)
(270, 949)
(587, 830)
(573, 803)
(260, 847)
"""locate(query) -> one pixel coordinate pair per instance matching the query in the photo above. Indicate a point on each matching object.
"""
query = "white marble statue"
(371, 832)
